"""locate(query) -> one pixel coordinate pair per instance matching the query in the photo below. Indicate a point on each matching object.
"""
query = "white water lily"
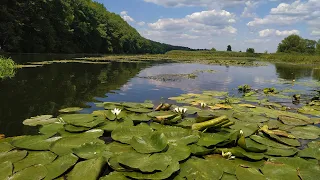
(180, 110)
(228, 155)
(203, 105)
(241, 132)
(116, 111)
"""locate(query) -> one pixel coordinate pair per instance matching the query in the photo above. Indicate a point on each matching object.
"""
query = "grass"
(7, 67)
(291, 58)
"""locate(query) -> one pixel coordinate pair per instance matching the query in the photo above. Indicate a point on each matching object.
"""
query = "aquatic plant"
(239, 140)
(7, 67)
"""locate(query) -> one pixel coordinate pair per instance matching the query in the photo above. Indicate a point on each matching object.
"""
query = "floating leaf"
(12, 156)
(90, 150)
(65, 145)
(247, 128)
(268, 142)
(281, 152)
(292, 121)
(253, 146)
(71, 128)
(250, 117)
(139, 117)
(178, 152)
(200, 150)
(226, 165)
(5, 147)
(313, 151)
(51, 129)
(70, 110)
(309, 110)
(36, 172)
(89, 169)
(239, 152)
(110, 126)
(6, 169)
(196, 168)
(174, 167)
(306, 132)
(114, 176)
(60, 166)
(34, 158)
(227, 176)
(247, 105)
(84, 120)
(40, 120)
(139, 110)
(249, 173)
(145, 162)
(211, 139)
(151, 143)
(39, 142)
(124, 134)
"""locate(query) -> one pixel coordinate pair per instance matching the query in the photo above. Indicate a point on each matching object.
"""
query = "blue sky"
(260, 24)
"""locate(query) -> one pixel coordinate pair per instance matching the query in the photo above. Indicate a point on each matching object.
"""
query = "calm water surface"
(45, 90)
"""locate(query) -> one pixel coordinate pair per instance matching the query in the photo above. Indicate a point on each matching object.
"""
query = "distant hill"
(69, 26)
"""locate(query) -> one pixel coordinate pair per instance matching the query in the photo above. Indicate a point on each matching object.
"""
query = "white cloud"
(196, 3)
(257, 41)
(315, 33)
(273, 32)
(126, 17)
(250, 8)
(141, 23)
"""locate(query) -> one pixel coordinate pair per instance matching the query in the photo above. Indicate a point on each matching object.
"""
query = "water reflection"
(290, 72)
(45, 90)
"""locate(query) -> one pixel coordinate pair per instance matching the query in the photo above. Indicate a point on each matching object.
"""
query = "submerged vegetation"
(228, 137)
(7, 67)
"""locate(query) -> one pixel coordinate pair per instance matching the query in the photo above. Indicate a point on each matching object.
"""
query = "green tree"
(229, 48)
(213, 49)
(310, 46)
(292, 43)
(318, 47)
(250, 50)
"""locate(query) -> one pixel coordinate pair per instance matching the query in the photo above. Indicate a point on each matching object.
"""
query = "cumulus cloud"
(126, 17)
(273, 32)
(202, 3)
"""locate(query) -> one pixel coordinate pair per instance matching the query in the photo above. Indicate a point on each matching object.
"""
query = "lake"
(46, 89)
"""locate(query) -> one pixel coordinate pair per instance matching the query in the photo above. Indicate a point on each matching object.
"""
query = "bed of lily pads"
(200, 136)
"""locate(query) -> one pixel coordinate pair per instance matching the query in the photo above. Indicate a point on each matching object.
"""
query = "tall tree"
(318, 47)
(229, 48)
(292, 43)
(250, 50)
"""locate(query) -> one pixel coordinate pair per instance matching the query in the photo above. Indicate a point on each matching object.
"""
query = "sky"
(199, 24)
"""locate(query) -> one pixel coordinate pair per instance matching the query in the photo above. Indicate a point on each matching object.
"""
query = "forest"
(69, 26)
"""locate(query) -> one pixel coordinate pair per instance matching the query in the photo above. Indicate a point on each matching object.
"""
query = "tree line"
(69, 26)
(296, 44)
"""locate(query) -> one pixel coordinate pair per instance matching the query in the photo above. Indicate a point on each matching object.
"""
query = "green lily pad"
(174, 167)
(178, 152)
(211, 139)
(114, 176)
(34, 158)
(239, 152)
(60, 166)
(292, 121)
(6, 170)
(40, 120)
(51, 129)
(268, 142)
(247, 128)
(36, 172)
(227, 176)
(250, 118)
(65, 145)
(151, 143)
(196, 168)
(139, 110)
(177, 134)
(160, 113)
(111, 105)
(227, 166)
(253, 146)
(215, 93)
(313, 151)
(139, 117)
(200, 150)
(191, 109)
(110, 126)
(145, 162)
(70, 110)
(306, 132)
(118, 148)
(71, 128)
(39, 142)
(281, 152)
(245, 163)
(124, 134)
(93, 133)
(89, 169)
(90, 150)
(12, 156)
(249, 173)
(286, 141)
(309, 110)
(84, 120)
(187, 123)
(5, 147)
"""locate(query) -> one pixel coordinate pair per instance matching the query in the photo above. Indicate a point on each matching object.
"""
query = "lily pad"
(247, 128)
(174, 167)
(200, 150)
(60, 166)
(5, 147)
(110, 126)
(250, 118)
(39, 142)
(249, 173)
(313, 151)
(12, 156)
(51, 129)
(65, 145)
(268, 142)
(178, 152)
(292, 121)
(71, 128)
(139, 117)
(114, 176)
(84, 120)
(40, 120)
(70, 110)
(139, 110)
(309, 110)
(90, 150)
(145, 162)
(6, 170)
(34, 158)
(281, 152)
(211, 139)
(239, 152)
(196, 168)
(306, 132)
(36, 172)
(124, 134)
(151, 143)
(90, 169)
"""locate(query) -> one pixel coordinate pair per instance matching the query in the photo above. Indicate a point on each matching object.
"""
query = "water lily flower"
(228, 155)
(116, 111)
(180, 110)
(241, 132)
(203, 105)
